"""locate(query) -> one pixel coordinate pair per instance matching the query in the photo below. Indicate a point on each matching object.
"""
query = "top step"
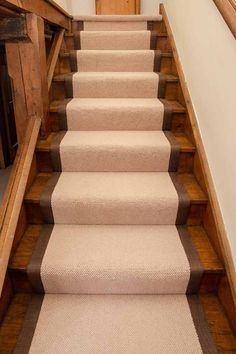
(115, 22)
(118, 18)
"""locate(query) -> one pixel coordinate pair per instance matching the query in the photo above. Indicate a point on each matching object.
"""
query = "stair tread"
(196, 194)
(168, 77)
(208, 257)
(217, 321)
(175, 105)
(65, 54)
(111, 18)
(128, 321)
(44, 145)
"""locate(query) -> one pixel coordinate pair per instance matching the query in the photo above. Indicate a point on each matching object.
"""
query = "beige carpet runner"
(115, 266)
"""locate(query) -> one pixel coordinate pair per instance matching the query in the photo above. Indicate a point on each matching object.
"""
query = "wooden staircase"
(199, 219)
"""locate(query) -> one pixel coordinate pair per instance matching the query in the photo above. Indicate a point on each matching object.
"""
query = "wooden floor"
(218, 323)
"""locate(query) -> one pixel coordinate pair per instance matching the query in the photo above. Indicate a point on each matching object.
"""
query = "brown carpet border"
(34, 267)
(77, 40)
(157, 61)
(62, 114)
(153, 40)
(201, 325)
(184, 200)
(175, 152)
(196, 268)
(150, 25)
(32, 315)
(69, 85)
(162, 86)
(55, 151)
(45, 200)
(73, 61)
(168, 114)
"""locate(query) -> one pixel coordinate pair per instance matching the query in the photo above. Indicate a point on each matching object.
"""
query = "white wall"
(82, 7)
(207, 51)
(64, 4)
(150, 7)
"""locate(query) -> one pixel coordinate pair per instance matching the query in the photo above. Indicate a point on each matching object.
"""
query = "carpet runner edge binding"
(110, 231)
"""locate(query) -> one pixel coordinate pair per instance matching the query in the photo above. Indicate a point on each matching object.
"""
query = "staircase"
(114, 249)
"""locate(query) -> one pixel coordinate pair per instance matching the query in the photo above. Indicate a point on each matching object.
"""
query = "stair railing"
(13, 199)
(228, 10)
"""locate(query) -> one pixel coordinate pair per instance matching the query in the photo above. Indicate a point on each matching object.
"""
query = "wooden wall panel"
(117, 7)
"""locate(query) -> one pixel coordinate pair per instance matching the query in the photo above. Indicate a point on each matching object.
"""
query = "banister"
(15, 194)
(227, 9)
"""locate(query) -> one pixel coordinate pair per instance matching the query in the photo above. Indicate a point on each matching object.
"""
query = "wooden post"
(28, 70)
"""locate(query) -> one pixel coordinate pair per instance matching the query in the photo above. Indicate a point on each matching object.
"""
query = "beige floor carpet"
(114, 60)
(115, 40)
(114, 114)
(114, 264)
(82, 259)
(110, 151)
(114, 85)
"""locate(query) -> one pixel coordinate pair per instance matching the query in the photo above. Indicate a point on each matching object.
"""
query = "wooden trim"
(16, 190)
(213, 201)
(53, 55)
(227, 9)
(137, 7)
(47, 9)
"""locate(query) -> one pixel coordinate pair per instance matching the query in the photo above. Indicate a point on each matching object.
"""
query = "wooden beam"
(47, 9)
(28, 71)
(53, 55)
(13, 28)
(227, 9)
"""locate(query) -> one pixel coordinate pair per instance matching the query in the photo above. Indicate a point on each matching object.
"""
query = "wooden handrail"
(15, 194)
(53, 55)
(227, 9)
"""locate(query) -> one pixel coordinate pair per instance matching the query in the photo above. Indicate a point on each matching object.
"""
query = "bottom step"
(115, 324)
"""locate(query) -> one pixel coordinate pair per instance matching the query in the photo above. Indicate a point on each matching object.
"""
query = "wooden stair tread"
(175, 105)
(185, 145)
(195, 192)
(217, 321)
(209, 259)
(169, 77)
(64, 54)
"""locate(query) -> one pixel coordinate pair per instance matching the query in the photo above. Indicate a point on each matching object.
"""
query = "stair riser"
(115, 61)
(44, 162)
(165, 65)
(150, 26)
(21, 282)
(34, 213)
(170, 91)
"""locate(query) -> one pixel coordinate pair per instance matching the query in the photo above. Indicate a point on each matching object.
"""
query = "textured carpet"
(115, 324)
(114, 114)
(114, 60)
(114, 198)
(115, 262)
(110, 151)
(115, 40)
(114, 85)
